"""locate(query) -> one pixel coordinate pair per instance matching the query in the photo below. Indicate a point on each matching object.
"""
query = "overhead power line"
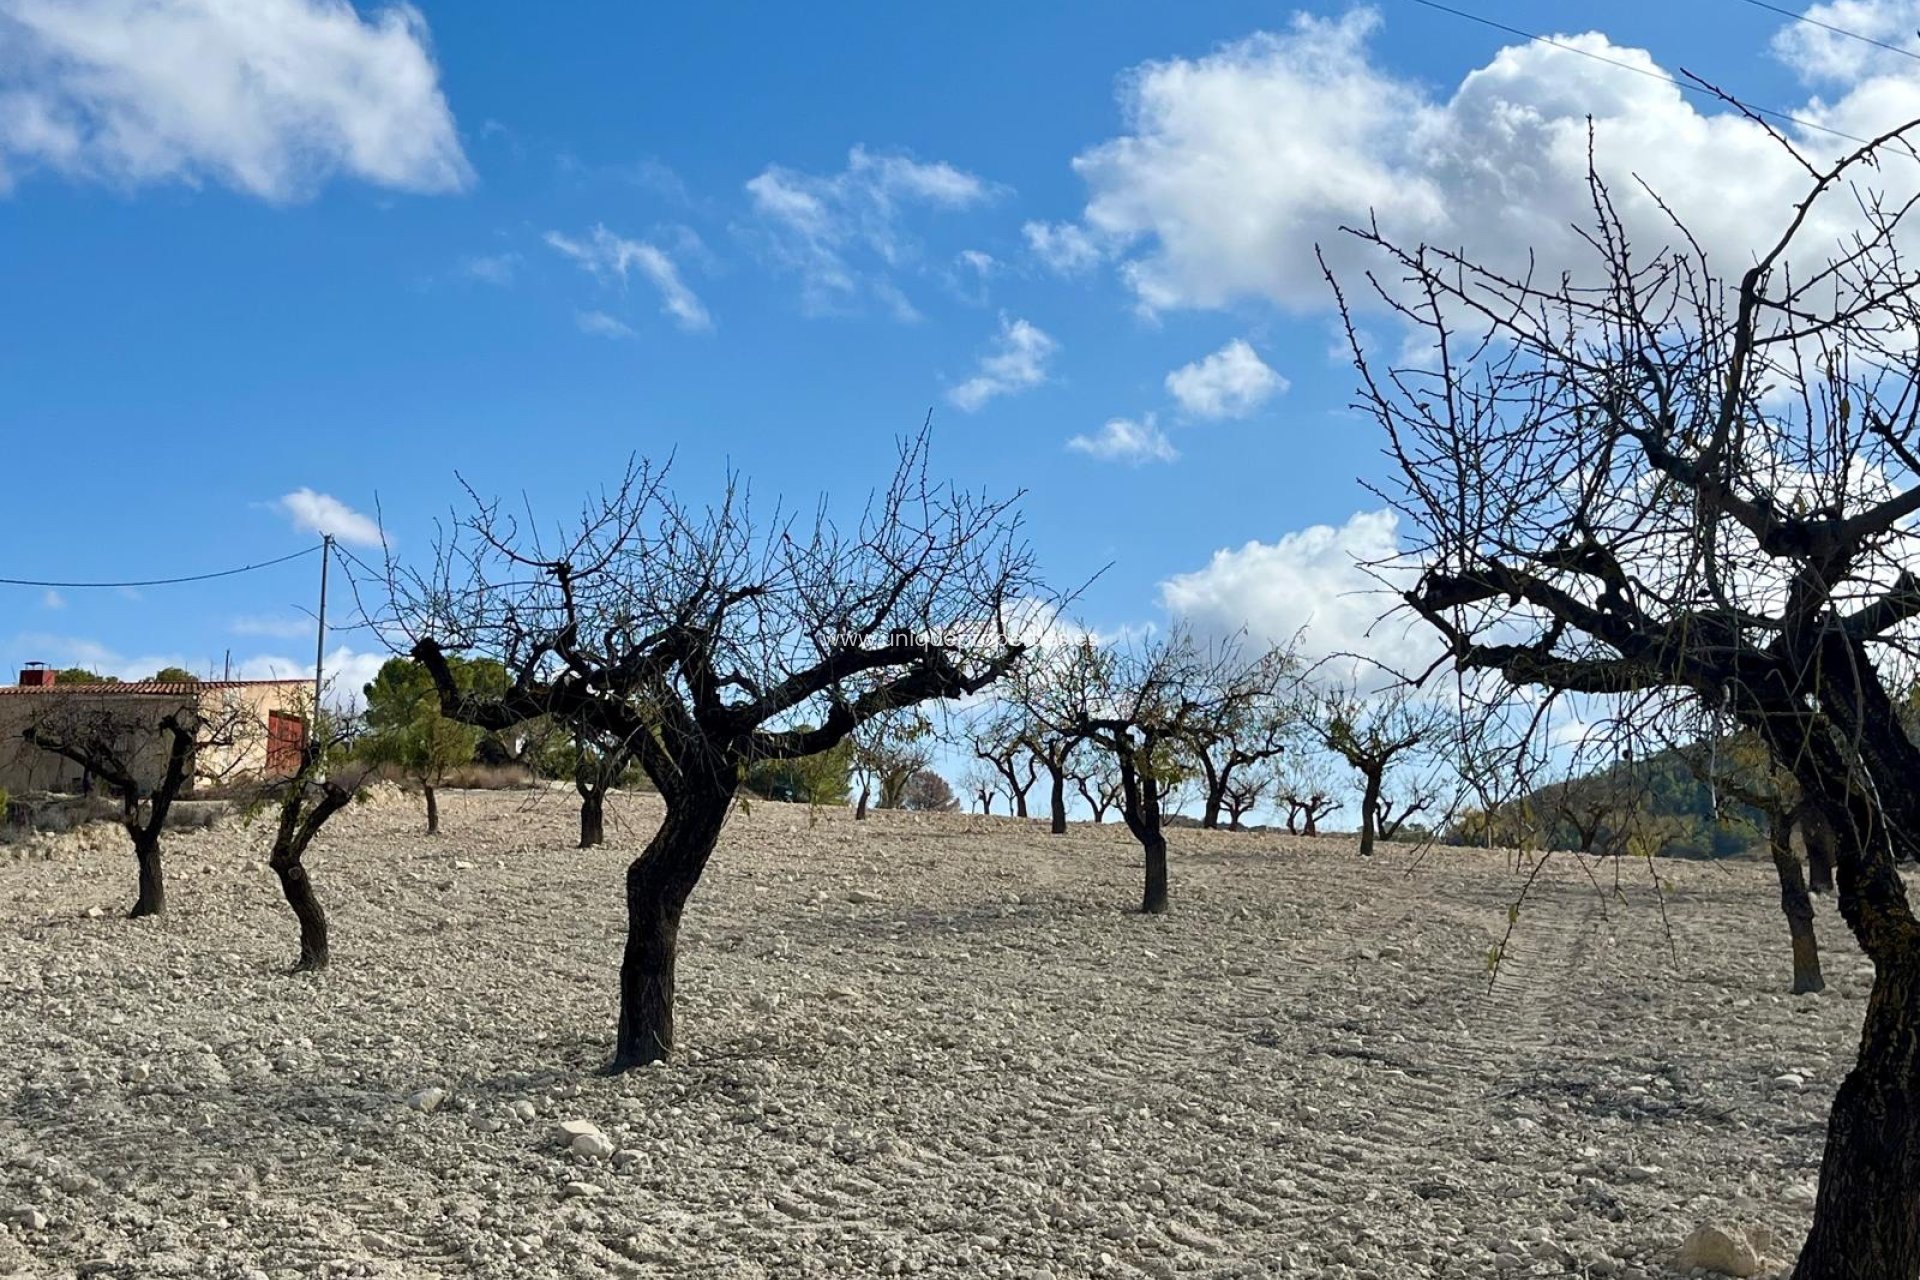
(1828, 26)
(1661, 76)
(161, 582)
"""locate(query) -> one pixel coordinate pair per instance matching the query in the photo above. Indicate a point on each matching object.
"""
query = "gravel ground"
(914, 1045)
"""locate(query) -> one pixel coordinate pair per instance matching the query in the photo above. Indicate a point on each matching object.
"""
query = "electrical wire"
(1828, 26)
(1661, 76)
(161, 582)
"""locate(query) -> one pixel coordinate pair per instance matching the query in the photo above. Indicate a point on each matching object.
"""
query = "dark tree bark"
(1154, 900)
(659, 882)
(1797, 905)
(433, 810)
(1819, 843)
(298, 888)
(1369, 812)
(593, 820)
(860, 810)
(305, 806)
(153, 889)
(1057, 797)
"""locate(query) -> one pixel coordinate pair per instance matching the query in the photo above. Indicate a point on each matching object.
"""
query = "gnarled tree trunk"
(1369, 815)
(306, 909)
(152, 898)
(593, 819)
(659, 882)
(1058, 799)
(1798, 907)
(1154, 901)
(433, 810)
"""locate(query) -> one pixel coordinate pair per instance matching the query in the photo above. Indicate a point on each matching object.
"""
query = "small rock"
(1788, 1082)
(523, 1109)
(139, 1073)
(1722, 1249)
(428, 1099)
(32, 1219)
(461, 864)
(94, 913)
(861, 895)
(594, 1146)
(582, 1190)
(571, 1129)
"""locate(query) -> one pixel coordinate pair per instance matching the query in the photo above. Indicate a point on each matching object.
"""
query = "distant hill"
(1656, 805)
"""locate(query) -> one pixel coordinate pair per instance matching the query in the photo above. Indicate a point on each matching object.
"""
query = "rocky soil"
(915, 1045)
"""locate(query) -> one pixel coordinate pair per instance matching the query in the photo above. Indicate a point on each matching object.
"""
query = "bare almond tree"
(1142, 706)
(1256, 717)
(1375, 733)
(146, 750)
(325, 783)
(712, 638)
(1656, 486)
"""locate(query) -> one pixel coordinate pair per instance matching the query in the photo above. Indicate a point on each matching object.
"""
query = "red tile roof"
(129, 687)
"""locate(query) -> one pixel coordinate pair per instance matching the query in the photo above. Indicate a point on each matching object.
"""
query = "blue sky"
(265, 275)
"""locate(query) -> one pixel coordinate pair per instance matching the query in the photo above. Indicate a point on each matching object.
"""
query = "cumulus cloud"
(323, 513)
(271, 97)
(1819, 53)
(614, 258)
(1230, 383)
(1124, 440)
(1016, 361)
(1235, 165)
(845, 233)
(1312, 583)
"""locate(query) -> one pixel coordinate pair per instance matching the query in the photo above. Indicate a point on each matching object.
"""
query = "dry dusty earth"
(937, 1046)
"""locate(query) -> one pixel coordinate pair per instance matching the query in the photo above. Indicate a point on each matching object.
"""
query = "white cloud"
(269, 97)
(1312, 579)
(323, 513)
(1063, 247)
(819, 226)
(494, 269)
(1236, 165)
(1818, 54)
(1123, 440)
(1230, 383)
(346, 673)
(602, 325)
(1016, 362)
(53, 600)
(612, 257)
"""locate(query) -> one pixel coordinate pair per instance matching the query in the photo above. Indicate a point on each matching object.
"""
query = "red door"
(286, 738)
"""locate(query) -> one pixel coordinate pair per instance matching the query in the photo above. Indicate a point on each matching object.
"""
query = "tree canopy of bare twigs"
(1658, 485)
(146, 751)
(1375, 733)
(1143, 705)
(704, 639)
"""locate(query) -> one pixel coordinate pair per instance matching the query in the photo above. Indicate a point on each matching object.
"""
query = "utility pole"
(320, 638)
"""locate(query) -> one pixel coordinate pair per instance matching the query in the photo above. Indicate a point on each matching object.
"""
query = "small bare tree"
(147, 750)
(1306, 789)
(327, 781)
(999, 739)
(712, 639)
(887, 751)
(1375, 733)
(983, 785)
(1142, 707)
(1256, 718)
(599, 762)
(1097, 778)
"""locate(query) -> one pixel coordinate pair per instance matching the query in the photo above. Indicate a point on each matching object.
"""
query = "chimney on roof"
(36, 674)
